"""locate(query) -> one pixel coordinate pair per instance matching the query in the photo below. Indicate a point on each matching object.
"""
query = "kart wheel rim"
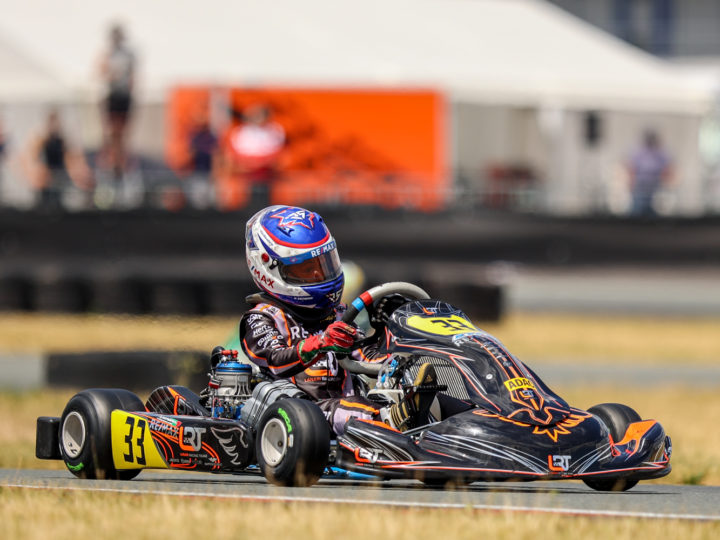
(274, 442)
(73, 434)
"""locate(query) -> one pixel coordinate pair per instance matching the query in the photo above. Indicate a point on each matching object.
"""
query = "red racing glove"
(338, 337)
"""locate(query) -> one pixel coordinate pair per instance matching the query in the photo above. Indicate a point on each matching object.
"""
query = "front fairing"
(493, 379)
(518, 428)
(471, 445)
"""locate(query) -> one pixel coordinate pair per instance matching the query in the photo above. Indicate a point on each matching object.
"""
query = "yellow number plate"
(132, 445)
(443, 326)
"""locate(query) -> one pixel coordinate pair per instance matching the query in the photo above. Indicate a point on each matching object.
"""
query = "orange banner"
(345, 146)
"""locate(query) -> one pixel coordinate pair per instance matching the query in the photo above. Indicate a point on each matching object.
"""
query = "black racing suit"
(270, 335)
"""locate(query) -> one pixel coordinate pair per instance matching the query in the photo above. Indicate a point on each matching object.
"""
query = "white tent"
(25, 80)
(522, 51)
(521, 54)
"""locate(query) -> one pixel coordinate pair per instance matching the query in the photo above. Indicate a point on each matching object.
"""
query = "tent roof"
(524, 52)
(24, 79)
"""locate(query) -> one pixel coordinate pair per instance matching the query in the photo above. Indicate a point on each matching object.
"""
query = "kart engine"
(229, 385)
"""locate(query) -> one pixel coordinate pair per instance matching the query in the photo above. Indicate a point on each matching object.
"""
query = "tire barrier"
(223, 296)
(121, 369)
(16, 293)
(63, 294)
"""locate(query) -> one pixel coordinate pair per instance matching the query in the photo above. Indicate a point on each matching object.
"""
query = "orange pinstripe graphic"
(372, 360)
(635, 432)
(378, 424)
(285, 365)
(352, 405)
(452, 359)
(250, 353)
(513, 394)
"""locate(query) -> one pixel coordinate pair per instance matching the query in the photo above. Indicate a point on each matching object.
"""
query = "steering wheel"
(367, 301)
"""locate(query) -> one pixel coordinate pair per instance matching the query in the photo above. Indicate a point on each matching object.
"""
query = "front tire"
(293, 443)
(85, 441)
(617, 417)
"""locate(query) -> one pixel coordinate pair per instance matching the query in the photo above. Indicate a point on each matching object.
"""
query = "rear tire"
(85, 442)
(617, 417)
(293, 443)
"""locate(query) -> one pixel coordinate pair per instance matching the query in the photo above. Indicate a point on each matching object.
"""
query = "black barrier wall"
(193, 263)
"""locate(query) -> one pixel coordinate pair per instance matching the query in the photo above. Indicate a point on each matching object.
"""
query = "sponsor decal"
(323, 249)
(334, 297)
(285, 417)
(263, 279)
(262, 329)
(263, 341)
(165, 425)
(442, 326)
(231, 440)
(75, 468)
(298, 333)
(558, 463)
(519, 383)
(367, 455)
(191, 438)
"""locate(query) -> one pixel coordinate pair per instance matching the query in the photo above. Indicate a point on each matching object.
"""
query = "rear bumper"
(47, 438)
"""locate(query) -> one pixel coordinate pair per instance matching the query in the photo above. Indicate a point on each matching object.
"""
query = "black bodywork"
(505, 422)
(514, 425)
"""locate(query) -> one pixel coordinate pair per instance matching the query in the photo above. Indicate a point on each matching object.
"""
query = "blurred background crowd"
(564, 107)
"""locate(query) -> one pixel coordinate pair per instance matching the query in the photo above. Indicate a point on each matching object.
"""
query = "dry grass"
(611, 339)
(19, 411)
(593, 338)
(72, 515)
(689, 415)
(70, 333)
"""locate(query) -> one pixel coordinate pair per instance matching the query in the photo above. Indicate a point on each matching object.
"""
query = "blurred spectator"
(54, 168)
(203, 152)
(649, 168)
(3, 150)
(250, 157)
(118, 73)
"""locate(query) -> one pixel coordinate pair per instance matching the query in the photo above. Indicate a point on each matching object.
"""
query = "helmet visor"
(322, 268)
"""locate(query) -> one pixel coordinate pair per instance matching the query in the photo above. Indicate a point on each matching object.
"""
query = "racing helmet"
(293, 257)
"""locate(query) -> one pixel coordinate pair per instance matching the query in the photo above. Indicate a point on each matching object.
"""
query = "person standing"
(650, 168)
(118, 73)
(54, 167)
(203, 144)
(251, 152)
(3, 150)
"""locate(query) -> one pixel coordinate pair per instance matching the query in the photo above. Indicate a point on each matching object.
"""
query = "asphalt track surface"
(656, 501)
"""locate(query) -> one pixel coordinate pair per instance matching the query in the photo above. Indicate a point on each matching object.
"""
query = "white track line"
(490, 507)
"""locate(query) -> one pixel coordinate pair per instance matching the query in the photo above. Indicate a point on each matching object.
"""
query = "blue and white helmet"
(293, 257)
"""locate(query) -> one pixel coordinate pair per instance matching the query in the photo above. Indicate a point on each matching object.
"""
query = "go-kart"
(493, 419)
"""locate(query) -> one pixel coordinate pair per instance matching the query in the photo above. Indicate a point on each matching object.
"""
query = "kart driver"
(293, 330)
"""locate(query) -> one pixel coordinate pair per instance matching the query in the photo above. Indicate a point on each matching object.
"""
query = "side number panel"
(132, 444)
